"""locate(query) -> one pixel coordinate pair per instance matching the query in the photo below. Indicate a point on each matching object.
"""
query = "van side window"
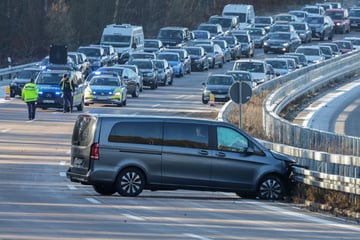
(140, 133)
(231, 140)
(187, 135)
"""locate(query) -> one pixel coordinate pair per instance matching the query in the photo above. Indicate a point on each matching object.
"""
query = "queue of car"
(177, 51)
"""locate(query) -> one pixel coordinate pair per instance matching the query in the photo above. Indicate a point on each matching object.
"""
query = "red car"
(344, 46)
(341, 19)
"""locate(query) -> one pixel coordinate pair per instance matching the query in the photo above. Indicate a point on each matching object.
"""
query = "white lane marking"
(71, 187)
(62, 174)
(307, 218)
(133, 217)
(62, 163)
(68, 152)
(92, 200)
(6, 130)
(156, 105)
(196, 236)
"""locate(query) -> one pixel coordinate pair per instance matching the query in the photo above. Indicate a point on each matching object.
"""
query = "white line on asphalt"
(6, 130)
(133, 217)
(156, 105)
(71, 187)
(62, 174)
(92, 200)
(305, 217)
(196, 236)
(62, 163)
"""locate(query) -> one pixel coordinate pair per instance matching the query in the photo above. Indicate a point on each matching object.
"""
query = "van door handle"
(220, 154)
(203, 152)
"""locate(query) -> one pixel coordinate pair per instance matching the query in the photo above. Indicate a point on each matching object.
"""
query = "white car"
(313, 54)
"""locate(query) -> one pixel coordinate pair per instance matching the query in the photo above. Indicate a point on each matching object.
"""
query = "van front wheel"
(271, 188)
(130, 182)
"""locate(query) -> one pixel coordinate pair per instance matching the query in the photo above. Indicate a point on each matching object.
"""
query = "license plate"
(48, 101)
(101, 97)
(220, 96)
(78, 161)
(354, 25)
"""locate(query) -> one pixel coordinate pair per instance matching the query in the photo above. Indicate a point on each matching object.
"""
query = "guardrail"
(330, 171)
(9, 73)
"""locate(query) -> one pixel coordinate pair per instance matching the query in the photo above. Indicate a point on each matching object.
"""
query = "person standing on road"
(29, 95)
(67, 88)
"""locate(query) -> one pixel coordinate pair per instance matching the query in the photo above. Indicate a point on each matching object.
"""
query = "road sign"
(240, 90)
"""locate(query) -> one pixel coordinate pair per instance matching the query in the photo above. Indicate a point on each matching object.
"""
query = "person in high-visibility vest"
(29, 95)
(67, 88)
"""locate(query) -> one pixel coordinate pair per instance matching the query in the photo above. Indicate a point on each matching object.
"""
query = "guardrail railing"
(9, 72)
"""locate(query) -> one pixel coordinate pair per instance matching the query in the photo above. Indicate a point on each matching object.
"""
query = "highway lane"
(38, 202)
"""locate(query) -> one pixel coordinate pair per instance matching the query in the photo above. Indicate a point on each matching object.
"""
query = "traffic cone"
(7, 93)
(212, 100)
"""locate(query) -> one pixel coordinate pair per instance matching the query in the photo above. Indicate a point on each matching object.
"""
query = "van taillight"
(94, 154)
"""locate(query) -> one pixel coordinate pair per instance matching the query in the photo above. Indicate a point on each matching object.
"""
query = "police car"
(105, 88)
(50, 93)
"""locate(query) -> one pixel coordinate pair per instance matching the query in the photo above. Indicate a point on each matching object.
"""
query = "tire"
(130, 182)
(270, 188)
(136, 93)
(80, 107)
(12, 95)
(104, 189)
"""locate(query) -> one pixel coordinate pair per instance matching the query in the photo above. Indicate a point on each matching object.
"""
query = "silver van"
(127, 154)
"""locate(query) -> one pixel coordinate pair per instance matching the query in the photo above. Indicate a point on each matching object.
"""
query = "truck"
(125, 38)
(244, 12)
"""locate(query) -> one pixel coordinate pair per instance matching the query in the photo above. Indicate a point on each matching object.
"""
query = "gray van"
(127, 154)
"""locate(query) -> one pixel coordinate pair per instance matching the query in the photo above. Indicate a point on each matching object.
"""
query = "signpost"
(240, 92)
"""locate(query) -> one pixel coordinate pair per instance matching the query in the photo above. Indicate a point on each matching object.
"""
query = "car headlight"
(285, 44)
(266, 43)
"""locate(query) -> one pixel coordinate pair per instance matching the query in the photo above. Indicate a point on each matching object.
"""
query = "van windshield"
(170, 34)
(116, 40)
(49, 79)
(242, 16)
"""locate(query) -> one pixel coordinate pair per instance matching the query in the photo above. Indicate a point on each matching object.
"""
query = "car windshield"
(169, 57)
(315, 20)
(143, 64)
(250, 66)
(169, 33)
(280, 28)
(210, 28)
(201, 34)
(255, 31)
(283, 18)
(27, 74)
(194, 51)
(309, 51)
(240, 76)
(336, 15)
(224, 22)
(242, 38)
(159, 64)
(90, 52)
(278, 64)
(116, 40)
(326, 50)
(354, 13)
(313, 10)
(119, 71)
(229, 40)
(220, 80)
(221, 43)
(101, 81)
(279, 36)
(151, 44)
(346, 45)
(298, 14)
(299, 26)
(49, 79)
(242, 16)
(263, 20)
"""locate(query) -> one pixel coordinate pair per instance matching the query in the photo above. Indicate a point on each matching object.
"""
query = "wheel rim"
(131, 183)
(270, 189)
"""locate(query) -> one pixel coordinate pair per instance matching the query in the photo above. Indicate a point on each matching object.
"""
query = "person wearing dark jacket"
(67, 88)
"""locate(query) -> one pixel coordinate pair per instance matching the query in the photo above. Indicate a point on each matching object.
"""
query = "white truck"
(125, 38)
(244, 12)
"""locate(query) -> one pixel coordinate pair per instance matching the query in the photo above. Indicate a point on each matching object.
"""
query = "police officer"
(67, 88)
(29, 95)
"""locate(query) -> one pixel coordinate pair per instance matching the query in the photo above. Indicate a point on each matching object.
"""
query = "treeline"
(28, 27)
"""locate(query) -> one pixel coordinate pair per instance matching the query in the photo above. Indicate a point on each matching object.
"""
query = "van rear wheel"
(130, 182)
(104, 189)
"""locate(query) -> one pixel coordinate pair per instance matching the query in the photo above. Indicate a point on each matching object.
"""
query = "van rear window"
(82, 133)
(137, 132)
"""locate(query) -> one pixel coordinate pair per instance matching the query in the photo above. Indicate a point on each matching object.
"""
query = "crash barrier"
(9, 72)
(330, 171)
